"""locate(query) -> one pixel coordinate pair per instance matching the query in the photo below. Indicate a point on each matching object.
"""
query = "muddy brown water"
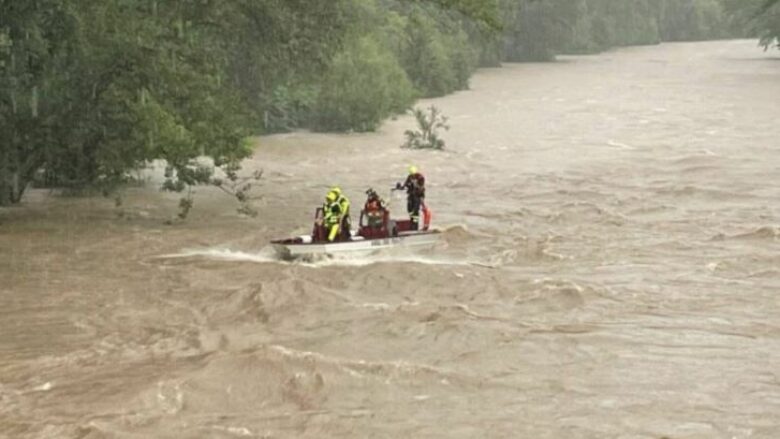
(610, 269)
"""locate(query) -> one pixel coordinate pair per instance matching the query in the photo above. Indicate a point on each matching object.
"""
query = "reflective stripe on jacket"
(335, 211)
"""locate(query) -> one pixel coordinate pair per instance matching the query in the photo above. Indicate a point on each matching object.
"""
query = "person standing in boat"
(336, 214)
(415, 195)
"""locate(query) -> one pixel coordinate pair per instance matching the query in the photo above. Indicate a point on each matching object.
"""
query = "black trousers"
(346, 227)
(413, 207)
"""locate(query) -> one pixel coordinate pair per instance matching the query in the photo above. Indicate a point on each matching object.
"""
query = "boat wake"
(267, 255)
(380, 258)
(455, 237)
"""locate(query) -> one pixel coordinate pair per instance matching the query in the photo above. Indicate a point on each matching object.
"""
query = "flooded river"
(610, 269)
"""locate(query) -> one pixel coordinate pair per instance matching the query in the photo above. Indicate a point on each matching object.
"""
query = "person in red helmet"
(415, 194)
(374, 209)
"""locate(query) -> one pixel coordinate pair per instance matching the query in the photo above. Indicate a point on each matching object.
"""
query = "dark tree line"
(92, 89)
(761, 18)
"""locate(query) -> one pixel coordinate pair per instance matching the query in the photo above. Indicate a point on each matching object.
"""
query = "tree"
(483, 11)
(364, 85)
(761, 18)
(768, 23)
(92, 89)
(99, 88)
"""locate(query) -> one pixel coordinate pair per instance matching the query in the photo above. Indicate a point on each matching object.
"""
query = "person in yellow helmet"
(415, 194)
(336, 214)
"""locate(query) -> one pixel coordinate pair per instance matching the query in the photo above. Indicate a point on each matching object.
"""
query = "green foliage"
(91, 90)
(426, 58)
(289, 107)
(485, 12)
(635, 22)
(761, 18)
(185, 205)
(536, 30)
(94, 89)
(239, 187)
(438, 60)
(363, 86)
(111, 86)
(693, 20)
(768, 25)
(278, 51)
(427, 135)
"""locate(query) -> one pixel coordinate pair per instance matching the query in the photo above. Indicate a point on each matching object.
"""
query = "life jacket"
(331, 212)
(415, 185)
(373, 205)
(336, 211)
(343, 202)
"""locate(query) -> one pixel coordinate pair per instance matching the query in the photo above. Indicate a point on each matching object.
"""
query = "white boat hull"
(357, 246)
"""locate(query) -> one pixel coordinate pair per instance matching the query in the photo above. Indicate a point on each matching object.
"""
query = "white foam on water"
(265, 255)
(43, 387)
(268, 255)
(392, 255)
(620, 145)
(380, 258)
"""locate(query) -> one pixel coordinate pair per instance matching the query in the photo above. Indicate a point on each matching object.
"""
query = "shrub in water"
(427, 136)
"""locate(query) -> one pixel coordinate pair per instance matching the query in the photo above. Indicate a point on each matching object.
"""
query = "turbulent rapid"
(609, 268)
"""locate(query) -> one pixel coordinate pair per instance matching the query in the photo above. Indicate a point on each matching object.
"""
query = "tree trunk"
(17, 188)
(5, 190)
(12, 188)
(15, 177)
(5, 193)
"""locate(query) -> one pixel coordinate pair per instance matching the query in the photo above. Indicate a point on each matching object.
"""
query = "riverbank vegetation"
(96, 88)
(760, 18)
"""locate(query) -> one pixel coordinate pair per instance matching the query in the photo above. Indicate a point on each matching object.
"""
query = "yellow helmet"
(332, 196)
(412, 169)
(336, 190)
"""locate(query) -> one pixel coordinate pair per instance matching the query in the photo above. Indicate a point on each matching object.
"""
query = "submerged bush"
(427, 136)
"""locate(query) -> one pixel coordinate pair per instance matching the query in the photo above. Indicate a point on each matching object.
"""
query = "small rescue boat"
(376, 232)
